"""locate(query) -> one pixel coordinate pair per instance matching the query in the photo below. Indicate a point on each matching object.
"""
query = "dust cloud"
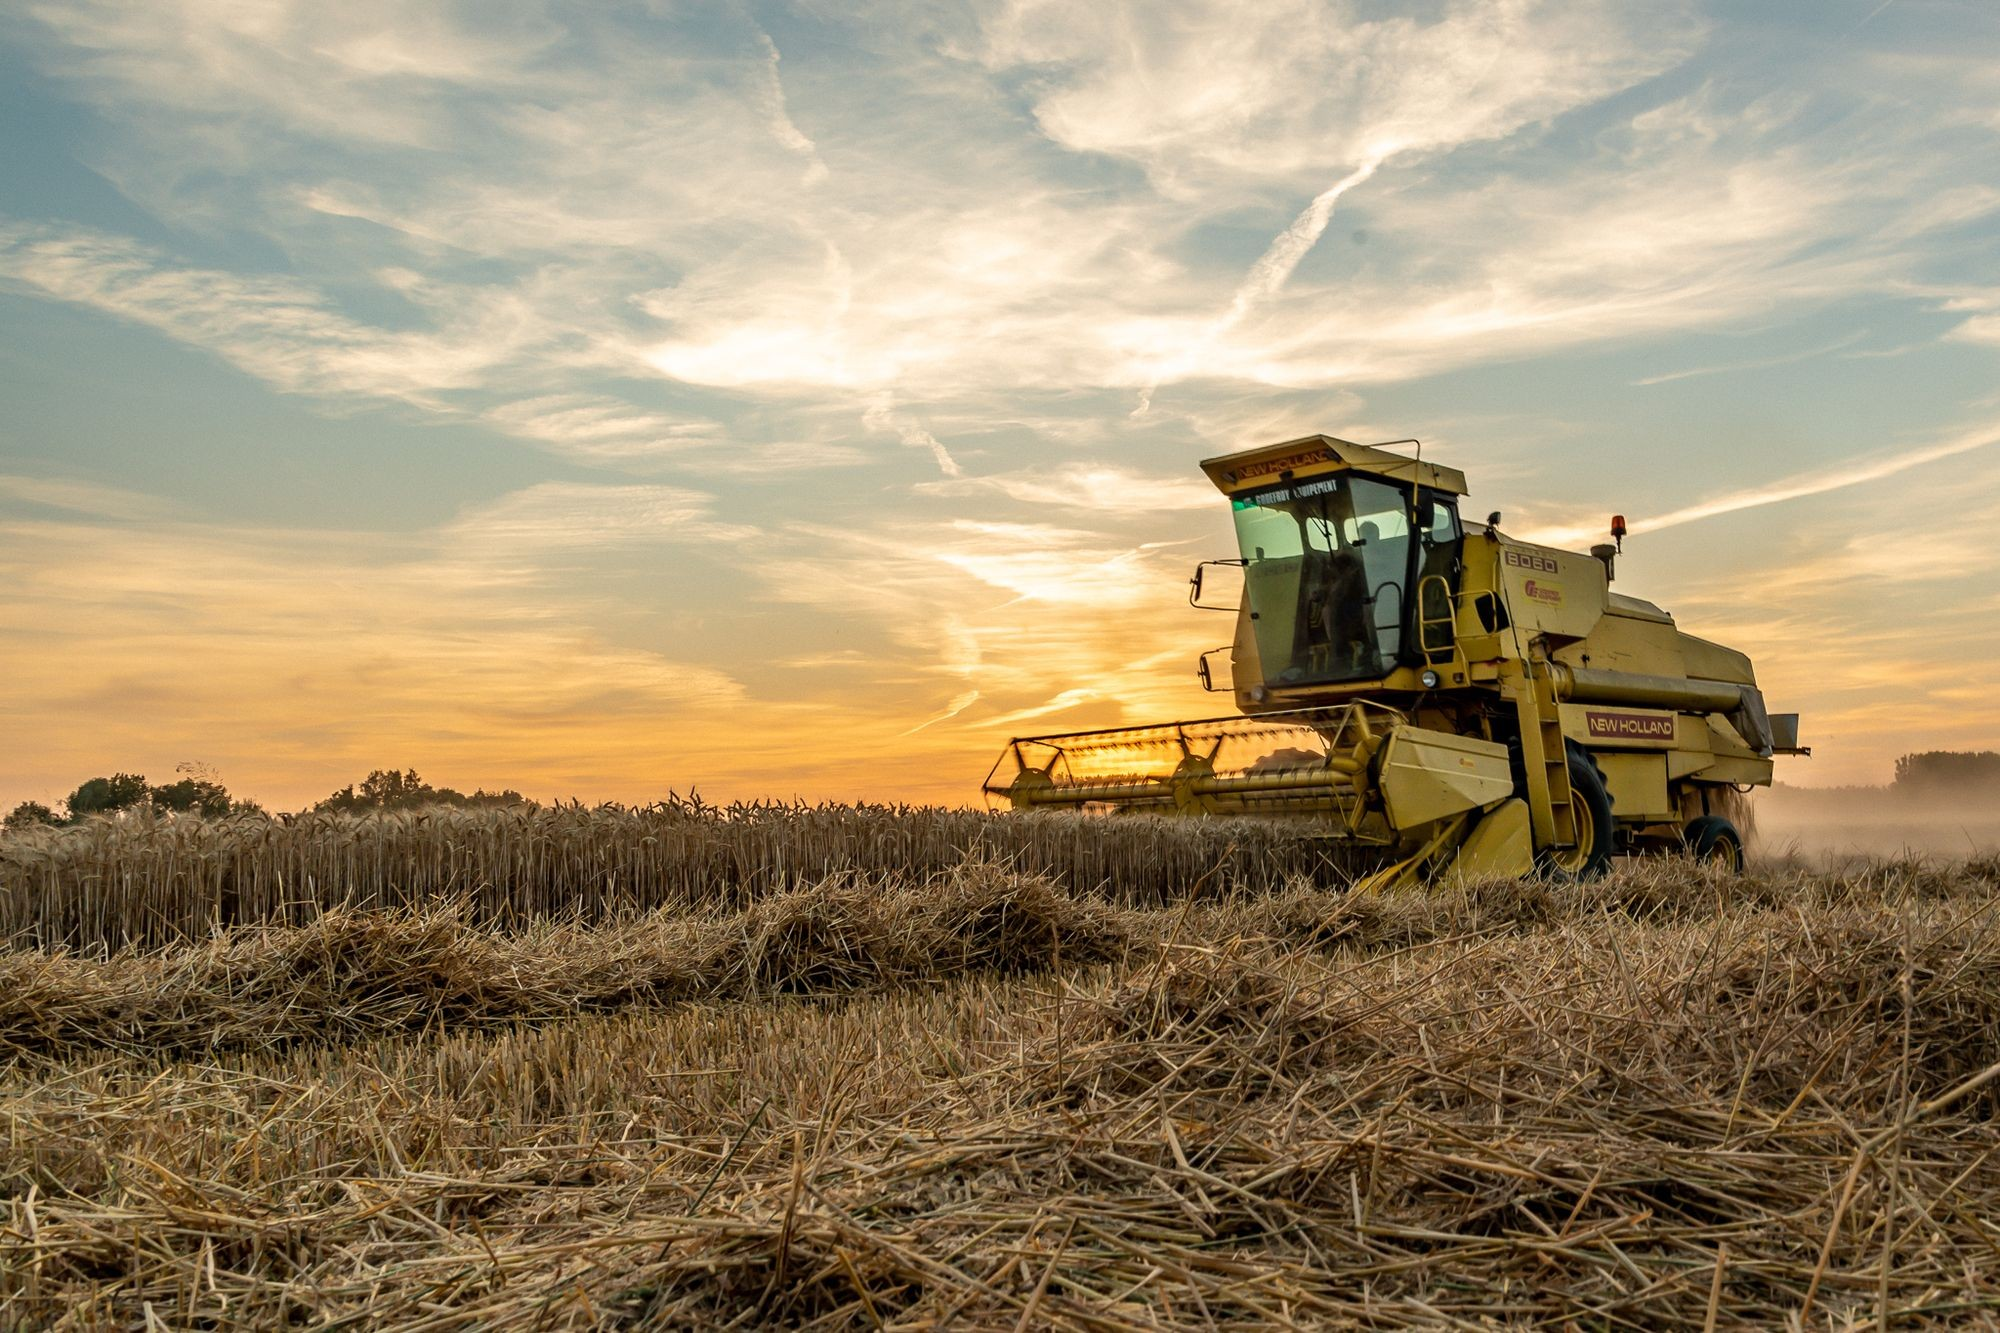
(1837, 824)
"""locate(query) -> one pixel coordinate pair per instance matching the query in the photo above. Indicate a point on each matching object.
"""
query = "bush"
(387, 789)
(28, 814)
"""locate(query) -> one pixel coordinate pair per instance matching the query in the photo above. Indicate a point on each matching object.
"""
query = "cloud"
(782, 127)
(1979, 329)
(562, 204)
(882, 416)
(1287, 90)
(292, 337)
(86, 499)
(554, 516)
(1982, 316)
(274, 328)
(1019, 613)
(599, 427)
(1108, 490)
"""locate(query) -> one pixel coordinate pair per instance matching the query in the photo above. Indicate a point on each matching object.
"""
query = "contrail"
(959, 703)
(1870, 17)
(1271, 271)
(1816, 484)
(1786, 360)
(1795, 488)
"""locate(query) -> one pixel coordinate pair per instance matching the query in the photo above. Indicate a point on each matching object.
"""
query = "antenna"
(1416, 471)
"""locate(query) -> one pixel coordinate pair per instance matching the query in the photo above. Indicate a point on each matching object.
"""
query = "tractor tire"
(1592, 856)
(1711, 839)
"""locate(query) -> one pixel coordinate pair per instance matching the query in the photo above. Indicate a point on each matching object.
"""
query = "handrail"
(1449, 621)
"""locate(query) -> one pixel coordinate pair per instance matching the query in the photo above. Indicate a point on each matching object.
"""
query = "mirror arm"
(1195, 583)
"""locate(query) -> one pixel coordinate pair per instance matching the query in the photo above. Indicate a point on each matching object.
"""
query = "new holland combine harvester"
(1455, 701)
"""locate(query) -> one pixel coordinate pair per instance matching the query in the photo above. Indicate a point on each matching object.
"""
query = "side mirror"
(1426, 514)
(1196, 584)
(1205, 673)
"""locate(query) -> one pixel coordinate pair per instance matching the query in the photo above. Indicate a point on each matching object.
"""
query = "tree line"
(199, 792)
(1956, 771)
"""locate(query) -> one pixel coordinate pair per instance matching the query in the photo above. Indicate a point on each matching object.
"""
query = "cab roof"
(1310, 454)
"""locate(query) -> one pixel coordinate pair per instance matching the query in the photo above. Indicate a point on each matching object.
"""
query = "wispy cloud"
(1109, 490)
(782, 127)
(595, 215)
(275, 328)
(600, 427)
(881, 415)
(1758, 363)
(86, 499)
(569, 516)
(1287, 90)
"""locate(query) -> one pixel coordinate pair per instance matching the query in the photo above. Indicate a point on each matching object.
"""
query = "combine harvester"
(1453, 703)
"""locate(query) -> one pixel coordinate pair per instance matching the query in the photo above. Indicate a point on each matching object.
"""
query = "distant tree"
(102, 796)
(497, 799)
(196, 791)
(383, 789)
(388, 789)
(29, 814)
(1953, 770)
(200, 796)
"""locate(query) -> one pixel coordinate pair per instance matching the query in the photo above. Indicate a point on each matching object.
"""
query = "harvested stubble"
(1507, 1105)
(142, 879)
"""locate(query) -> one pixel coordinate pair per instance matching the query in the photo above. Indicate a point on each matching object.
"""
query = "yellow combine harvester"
(1460, 702)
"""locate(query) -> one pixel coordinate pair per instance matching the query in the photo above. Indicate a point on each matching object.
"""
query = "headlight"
(1429, 678)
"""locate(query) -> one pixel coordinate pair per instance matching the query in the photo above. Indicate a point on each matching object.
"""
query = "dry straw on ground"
(981, 1100)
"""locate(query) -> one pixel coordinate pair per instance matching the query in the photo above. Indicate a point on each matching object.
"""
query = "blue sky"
(801, 399)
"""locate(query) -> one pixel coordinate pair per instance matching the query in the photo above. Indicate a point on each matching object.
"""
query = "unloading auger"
(1458, 703)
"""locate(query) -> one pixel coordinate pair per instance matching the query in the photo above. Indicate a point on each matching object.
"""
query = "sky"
(800, 400)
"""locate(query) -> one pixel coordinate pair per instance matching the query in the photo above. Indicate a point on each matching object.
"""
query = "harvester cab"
(1453, 702)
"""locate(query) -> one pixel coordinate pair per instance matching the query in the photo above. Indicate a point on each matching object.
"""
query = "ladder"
(1544, 757)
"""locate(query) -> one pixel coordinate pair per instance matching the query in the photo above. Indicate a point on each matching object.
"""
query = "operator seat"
(1334, 634)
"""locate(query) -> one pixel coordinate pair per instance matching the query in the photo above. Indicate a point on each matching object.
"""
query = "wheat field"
(879, 1068)
(152, 880)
